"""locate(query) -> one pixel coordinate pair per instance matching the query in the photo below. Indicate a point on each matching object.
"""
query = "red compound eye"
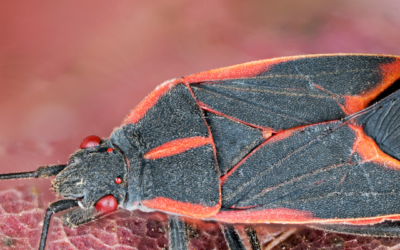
(107, 204)
(110, 150)
(90, 142)
(118, 180)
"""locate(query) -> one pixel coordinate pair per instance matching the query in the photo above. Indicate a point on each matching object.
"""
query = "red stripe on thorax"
(176, 147)
(212, 144)
(184, 208)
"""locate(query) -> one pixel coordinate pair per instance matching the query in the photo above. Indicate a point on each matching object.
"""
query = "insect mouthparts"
(80, 202)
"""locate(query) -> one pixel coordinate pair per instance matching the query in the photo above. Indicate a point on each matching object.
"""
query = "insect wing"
(343, 171)
(283, 93)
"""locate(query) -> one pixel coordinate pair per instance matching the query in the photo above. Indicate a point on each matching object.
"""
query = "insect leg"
(253, 239)
(41, 172)
(80, 216)
(54, 207)
(232, 237)
(178, 237)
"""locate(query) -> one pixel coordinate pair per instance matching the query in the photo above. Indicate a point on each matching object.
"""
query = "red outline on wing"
(292, 216)
(266, 132)
(390, 73)
(279, 136)
(176, 147)
(365, 146)
(251, 69)
(243, 70)
(184, 208)
(285, 215)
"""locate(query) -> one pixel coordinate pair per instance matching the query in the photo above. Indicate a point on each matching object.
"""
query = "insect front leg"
(54, 207)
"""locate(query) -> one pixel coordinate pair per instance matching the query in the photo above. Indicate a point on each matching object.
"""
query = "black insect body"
(91, 175)
(287, 140)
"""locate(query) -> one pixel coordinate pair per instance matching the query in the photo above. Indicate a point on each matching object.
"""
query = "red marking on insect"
(90, 142)
(334, 97)
(366, 221)
(283, 135)
(118, 180)
(367, 148)
(196, 194)
(318, 87)
(176, 147)
(285, 215)
(362, 221)
(205, 107)
(185, 208)
(266, 215)
(266, 134)
(390, 73)
(237, 71)
(141, 109)
(277, 137)
(107, 204)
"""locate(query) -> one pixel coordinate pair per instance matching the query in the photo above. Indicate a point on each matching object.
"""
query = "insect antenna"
(41, 172)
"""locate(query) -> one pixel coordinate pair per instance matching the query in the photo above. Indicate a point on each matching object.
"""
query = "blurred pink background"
(73, 68)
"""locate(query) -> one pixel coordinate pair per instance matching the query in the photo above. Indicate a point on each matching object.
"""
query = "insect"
(303, 140)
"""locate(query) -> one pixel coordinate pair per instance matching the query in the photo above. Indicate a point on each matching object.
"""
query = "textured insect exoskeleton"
(297, 140)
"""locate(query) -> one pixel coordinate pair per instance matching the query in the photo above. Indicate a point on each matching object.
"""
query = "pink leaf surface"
(120, 230)
(315, 239)
(21, 215)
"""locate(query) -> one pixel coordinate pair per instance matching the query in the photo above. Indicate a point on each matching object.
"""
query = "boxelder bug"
(304, 140)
